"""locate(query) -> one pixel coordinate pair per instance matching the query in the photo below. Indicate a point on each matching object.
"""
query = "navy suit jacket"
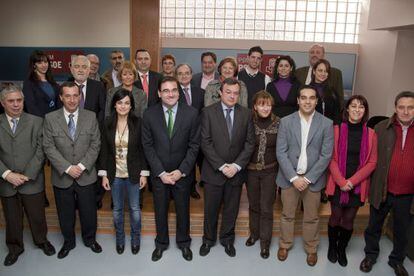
(36, 101)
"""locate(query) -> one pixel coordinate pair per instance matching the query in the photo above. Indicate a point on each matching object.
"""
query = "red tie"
(145, 84)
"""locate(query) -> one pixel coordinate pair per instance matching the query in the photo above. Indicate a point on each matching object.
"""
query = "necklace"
(120, 150)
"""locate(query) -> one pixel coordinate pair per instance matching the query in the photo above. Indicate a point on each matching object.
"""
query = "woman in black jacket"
(41, 92)
(123, 167)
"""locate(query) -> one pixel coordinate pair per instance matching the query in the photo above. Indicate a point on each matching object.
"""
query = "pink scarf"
(342, 155)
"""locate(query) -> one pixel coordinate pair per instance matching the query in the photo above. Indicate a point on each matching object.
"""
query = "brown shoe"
(282, 254)
(312, 259)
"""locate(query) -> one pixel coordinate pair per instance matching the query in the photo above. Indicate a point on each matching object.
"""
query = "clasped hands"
(171, 178)
(229, 170)
(347, 187)
(75, 171)
(16, 179)
(300, 183)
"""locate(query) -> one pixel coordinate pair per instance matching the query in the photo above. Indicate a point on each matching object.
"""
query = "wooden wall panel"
(145, 29)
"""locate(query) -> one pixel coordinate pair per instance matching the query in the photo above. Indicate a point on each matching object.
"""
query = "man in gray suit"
(304, 148)
(227, 141)
(22, 182)
(72, 142)
(304, 74)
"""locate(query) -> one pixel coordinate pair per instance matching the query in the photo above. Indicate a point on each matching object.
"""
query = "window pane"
(311, 16)
(229, 24)
(249, 25)
(310, 27)
(270, 15)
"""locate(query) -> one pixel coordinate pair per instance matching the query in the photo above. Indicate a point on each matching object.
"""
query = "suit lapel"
(298, 129)
(161, 120)
(5, 124)
(62, 122)
(79, 124)
(315, 126)
(88, 95)
(179, 117)
(21, 125)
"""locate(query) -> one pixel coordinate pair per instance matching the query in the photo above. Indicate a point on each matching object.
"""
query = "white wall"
(61, 23)
(384, 65)
(390, 14)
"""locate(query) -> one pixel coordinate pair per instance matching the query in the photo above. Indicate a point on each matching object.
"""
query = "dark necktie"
(71, 126)
(187, 96)
(82, 97)
(170, 124)
(14, 126)
(228, 121)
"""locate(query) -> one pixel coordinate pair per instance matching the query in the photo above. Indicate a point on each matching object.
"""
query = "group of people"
(131, 127)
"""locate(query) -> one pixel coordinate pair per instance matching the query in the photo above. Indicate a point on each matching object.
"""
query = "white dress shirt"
(254, 73)
(115, 79)
(309, 76)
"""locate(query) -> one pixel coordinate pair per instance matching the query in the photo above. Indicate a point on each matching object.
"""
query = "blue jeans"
(118, 188)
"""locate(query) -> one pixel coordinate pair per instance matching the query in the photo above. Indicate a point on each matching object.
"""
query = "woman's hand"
(142, 182)
(105, 183)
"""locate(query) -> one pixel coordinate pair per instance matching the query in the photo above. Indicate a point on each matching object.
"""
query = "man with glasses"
(171, 138)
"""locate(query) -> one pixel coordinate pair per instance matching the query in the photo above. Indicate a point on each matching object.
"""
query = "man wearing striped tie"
(22, 176)
(171, 138)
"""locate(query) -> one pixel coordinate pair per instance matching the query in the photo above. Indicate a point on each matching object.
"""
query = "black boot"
(333, 243)
(344, 237)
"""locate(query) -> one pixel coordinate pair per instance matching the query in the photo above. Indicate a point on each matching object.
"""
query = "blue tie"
(14, 126)
(71, 126)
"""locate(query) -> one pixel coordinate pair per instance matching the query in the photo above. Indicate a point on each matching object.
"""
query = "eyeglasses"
(184, 74)
(166, 91)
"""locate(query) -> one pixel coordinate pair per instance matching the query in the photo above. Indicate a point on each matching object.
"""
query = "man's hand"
(229, 170)
(176, 175)
(167, 178)
(105, 183)
(142, 182)
(16, 179)
(300, 183)
(75, 171)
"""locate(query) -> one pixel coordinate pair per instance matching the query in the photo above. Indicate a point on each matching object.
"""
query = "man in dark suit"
(93, 98)
(304, 74)
(22, 182)
(93, 94)
(208, 71)
(147, 79)
(170, 137)
(192, 96)
(227, 141)
(71, 141)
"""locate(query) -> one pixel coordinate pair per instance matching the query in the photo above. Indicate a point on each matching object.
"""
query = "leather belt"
(259, 166)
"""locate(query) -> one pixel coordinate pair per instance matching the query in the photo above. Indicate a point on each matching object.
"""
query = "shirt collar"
(310, 118)
(9, 119)
(141, 74)
(83, 83)
(211, 77)
(174, 108)
(251, 73)
(225, 107)
(68, 113)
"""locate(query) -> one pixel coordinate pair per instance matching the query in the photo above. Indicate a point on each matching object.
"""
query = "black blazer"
(178, 152)
(197, 97)
(96, 98)
(283, 108)
(217, 147)
(154, 78)
(329, 104)
(197, 78)
(135, 158)
(36, 101)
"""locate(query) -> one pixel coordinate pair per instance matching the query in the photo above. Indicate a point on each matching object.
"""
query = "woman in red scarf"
(353, 161)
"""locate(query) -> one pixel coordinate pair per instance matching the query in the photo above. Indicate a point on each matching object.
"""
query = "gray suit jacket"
(319, 150)
(334, 80)
(22, 152)
(63, 152)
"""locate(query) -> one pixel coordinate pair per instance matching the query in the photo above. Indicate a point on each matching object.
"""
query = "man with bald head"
(93, 94)
(304, 74)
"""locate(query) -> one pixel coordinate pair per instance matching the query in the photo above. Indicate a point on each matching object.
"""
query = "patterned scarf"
(343, 151)
(271, 129)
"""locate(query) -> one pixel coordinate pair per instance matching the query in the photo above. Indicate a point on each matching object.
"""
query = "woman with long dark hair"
(353, 161)
(123, 166)
(41, 92)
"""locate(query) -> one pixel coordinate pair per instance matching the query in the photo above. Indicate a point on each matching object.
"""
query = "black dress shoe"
(64, 252)
(156, 254)
(187, 253)
(194, 194)
(230, 250)
(120, 249)
(204, 249)
(48, 248)
(250, 241)
(99, 205)
(264, 253)
(399, 269)
(95, 247)
(11, 258)
(135, 249)
(366, 265)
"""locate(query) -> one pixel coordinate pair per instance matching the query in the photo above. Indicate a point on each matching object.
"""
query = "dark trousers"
(400, 206)
(66, 201)
(34, 207)
(214, 195)
(181, 195)
(261, 191)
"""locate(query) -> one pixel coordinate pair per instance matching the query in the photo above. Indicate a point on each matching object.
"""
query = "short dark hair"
(306, 86)
(119, 95)
(167, 79)
(256, 49)
(209, 54)
(403, 94)
(362, 100)
(290, 61)
(230, 81)
(68, 84)
(140, 50)
(168, 56)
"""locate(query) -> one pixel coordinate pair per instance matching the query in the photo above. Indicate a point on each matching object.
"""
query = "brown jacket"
(106, 78)
(386, 140)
